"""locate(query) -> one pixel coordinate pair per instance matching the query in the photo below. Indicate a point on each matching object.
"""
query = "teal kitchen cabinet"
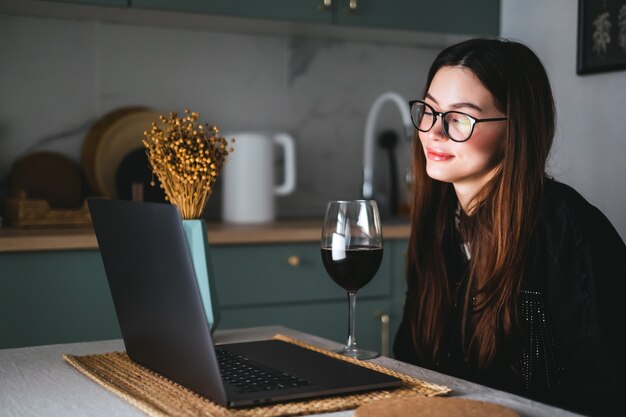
(475, 17)
(307, 11)
(479, 17)
(328, 319)
(282, 273)
(116, 3)
(62, 296)
(54, 297)
(287, 284)
(398, 283)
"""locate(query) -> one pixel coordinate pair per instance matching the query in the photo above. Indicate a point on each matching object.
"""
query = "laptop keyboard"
(247, 376)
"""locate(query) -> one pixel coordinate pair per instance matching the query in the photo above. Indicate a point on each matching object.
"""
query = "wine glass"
(352, 249)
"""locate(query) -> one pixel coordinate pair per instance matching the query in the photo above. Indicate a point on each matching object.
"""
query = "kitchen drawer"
(255, 274)
(325, 319)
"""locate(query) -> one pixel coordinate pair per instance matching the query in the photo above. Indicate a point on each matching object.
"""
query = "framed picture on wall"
(601, 36)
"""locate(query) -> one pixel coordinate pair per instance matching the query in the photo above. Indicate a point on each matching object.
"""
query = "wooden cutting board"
(110, 139)
(47, 176)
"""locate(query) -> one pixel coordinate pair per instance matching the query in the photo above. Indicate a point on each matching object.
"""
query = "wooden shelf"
(34, 240)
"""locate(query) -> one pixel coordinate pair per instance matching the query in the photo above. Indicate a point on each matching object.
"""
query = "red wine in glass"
(354, 270)
(352, 250)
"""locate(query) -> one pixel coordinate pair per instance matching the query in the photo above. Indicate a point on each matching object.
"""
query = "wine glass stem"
(351, 344)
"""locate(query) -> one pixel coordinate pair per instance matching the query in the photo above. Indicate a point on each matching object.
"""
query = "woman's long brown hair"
(505, 210)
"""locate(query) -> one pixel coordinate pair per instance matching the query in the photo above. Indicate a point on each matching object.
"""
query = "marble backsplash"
(57, 77)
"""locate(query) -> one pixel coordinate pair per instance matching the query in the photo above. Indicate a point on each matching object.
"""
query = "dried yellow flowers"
(186, 157)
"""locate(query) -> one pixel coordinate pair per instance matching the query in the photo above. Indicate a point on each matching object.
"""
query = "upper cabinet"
(481, 17)
(477, 17)
(465, 17)
(307, 11)
(117, 3)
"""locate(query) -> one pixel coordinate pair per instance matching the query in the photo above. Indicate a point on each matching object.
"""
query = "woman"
(514, 280)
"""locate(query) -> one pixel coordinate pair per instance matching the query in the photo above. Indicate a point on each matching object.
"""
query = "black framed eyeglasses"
(458, 126)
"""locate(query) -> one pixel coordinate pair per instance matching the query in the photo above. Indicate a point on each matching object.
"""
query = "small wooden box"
(30, 213)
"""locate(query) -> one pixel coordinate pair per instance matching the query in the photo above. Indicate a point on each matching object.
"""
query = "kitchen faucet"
(368, 145)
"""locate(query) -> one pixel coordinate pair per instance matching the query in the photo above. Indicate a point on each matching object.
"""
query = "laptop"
(165, 329)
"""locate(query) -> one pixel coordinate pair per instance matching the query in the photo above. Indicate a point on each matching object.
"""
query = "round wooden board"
(432, 407)
(47, 176)
(110, 139)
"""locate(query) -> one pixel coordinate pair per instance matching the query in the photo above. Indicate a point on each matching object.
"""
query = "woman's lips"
(438, 155)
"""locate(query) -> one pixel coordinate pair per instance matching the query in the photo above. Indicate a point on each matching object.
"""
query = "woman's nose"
(437, 132)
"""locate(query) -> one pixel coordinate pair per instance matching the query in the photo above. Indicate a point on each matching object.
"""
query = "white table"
(36, 381)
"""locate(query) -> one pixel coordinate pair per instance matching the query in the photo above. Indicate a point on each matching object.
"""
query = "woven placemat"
(158, 396)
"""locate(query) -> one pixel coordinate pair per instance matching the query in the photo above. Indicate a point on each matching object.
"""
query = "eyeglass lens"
(456, 125)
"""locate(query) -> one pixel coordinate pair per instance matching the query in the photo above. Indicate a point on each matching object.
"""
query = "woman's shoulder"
(565, 207)
(574, 236)
(572, 233)
(560, 196)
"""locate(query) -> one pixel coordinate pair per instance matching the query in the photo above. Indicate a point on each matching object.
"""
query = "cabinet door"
(479, 17)
(257, 285)
(291, 10)
(398, 283)
(328, 320)
(54, 297)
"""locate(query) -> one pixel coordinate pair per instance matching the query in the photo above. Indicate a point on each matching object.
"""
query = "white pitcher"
(248, 177)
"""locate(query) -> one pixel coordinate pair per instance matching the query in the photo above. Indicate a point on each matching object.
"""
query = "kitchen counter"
(282, 231)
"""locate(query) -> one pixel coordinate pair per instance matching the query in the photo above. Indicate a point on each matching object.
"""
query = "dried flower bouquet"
(186, 156)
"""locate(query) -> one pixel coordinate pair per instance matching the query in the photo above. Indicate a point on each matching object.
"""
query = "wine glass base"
(360, 354)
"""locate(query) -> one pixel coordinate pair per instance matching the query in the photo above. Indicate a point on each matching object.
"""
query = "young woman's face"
(467, 165)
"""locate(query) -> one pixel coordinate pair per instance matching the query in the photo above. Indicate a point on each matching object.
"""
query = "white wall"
(590, 147)
(58, 76)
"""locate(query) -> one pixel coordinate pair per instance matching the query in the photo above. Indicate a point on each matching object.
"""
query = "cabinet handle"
(294, 261)
(325, 5)
(384, 334)
(352, 6)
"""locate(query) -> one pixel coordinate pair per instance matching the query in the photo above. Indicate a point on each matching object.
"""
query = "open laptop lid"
(150, 274)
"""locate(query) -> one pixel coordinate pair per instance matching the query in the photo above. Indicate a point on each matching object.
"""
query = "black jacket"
(571, 350)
